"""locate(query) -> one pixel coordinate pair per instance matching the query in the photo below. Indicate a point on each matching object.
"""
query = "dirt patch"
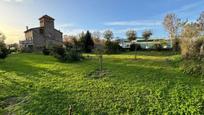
(8, 102)
(98, 73)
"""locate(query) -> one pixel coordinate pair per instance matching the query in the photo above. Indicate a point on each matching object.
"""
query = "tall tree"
(2, 37)
(171, 24)
(108, 35)
(96, 35)
(87, 42)
(146, 34)
(3, 49)
(131, 35)
(201, 21)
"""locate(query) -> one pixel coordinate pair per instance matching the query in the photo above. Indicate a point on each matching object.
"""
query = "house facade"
(45, 36)
(145, 44)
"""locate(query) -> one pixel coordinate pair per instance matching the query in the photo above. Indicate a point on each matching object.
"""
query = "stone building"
(45, 36)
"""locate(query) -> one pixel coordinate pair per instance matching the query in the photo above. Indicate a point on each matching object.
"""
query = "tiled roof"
(46, 16)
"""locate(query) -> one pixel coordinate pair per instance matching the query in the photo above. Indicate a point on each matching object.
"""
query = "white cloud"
(67, 25)
(13, 35)
(190, 6)
(135, 23)
(187, 11)
(13, 0)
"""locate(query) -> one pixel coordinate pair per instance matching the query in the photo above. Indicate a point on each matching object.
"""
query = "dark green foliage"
(158, 47)
(58, 51)
(134, 47)
(176, 44)
(87, 42)
(72, 56)
(112, 47)
(27, 50)
(67, 55)
(46, 51)
(3, 50)
(193, 67)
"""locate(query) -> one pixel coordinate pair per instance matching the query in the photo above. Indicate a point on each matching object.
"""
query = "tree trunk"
(101, 62)
(135, 52)
(202, 50)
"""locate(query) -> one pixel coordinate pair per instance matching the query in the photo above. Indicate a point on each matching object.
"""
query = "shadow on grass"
(154, 53)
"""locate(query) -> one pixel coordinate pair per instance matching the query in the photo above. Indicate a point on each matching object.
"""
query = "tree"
(189, 35)
(3, 49)
(108, 35)
(201, 21)
(131, 35)
(171, 24)
(87, 42)
(146, 34)
(71, 42)
(2, 37)
(96, 35)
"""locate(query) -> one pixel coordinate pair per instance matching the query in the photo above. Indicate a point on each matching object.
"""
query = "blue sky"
(74, 16)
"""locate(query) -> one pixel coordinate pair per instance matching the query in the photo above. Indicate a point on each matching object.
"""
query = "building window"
(41, 31)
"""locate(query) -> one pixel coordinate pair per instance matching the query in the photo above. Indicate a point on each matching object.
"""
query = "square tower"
(47, 22)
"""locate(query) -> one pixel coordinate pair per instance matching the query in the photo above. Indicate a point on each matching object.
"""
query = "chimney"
(27, 28)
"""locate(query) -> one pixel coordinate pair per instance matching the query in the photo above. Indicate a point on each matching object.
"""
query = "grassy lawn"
(153, 84)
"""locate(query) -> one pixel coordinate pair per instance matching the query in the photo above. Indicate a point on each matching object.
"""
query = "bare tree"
(189, 35)
(172, 24)
(146, 34)
(201, 21)
(96, 35)
(108, 34)
(131, 35)
(2, 37)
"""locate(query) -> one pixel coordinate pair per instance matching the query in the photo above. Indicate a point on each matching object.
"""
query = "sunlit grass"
(151, 84)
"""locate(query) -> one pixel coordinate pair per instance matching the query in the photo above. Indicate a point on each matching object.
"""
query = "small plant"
(135, 46)
(67, 55)
(112, 47)
(3, 51)
(46, 51)
(72, 56)
(158, 47)
(192, 67)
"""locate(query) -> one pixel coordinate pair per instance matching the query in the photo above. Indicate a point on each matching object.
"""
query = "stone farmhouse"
(45, 36)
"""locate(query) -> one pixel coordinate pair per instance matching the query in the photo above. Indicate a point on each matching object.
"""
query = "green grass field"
(153, 84)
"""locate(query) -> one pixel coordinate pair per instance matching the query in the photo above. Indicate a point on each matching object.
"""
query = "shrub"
(46, 51)
(3, 50)
(67, 55)
(193, 67)
(26, 50)
(58, 51)
(199, 46)
(135, 46)
(72, 56)
(112, 47)
(158, 47)
(176, 44)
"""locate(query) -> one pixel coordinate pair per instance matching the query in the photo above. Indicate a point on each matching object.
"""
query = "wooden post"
(135, 52)
(70, 110)
(202, 50)
(101, 62)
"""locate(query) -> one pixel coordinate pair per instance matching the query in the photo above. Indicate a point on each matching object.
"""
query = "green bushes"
(134, 47)
(46, 51)
(72, 56)
(3, 50)
(67, 55)
(158, 47)
(193, 67)
(112, 47)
